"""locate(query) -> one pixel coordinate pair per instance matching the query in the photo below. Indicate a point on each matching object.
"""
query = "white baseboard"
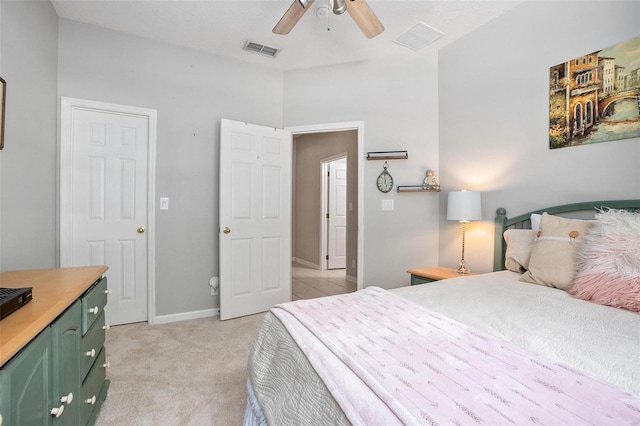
(164, 319)
(306, 263)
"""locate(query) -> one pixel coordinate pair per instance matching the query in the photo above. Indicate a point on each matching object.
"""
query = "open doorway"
(312, 145)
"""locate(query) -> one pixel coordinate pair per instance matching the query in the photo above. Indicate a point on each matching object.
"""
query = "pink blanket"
(426, 368)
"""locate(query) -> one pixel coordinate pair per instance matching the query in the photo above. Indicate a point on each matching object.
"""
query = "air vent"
(419, 36)
(261, 49)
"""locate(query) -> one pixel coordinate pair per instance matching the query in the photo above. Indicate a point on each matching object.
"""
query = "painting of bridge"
(596, 97)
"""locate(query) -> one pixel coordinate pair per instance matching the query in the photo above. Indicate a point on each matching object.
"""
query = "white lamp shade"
(464, 206)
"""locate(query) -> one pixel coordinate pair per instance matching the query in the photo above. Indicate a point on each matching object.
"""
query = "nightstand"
(433, 273)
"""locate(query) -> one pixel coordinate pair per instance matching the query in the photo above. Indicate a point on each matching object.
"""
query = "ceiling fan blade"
(365, 18)
(292, 16)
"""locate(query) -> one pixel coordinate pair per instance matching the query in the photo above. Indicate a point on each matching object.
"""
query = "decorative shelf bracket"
(387, 155)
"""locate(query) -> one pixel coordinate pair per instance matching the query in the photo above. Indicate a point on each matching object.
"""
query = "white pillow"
(519, 245)
(535, 221)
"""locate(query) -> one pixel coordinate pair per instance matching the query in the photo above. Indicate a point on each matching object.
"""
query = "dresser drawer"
(92, 344)
(92, 386)
(416, 279)
(93, 303)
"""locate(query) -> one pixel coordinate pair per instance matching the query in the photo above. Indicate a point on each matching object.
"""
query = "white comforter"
(599, 340)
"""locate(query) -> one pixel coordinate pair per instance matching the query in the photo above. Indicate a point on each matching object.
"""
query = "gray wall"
(309, 152)
(494, 97)
(398, 102)
(476, 113)
(28, 163)
(191, 91)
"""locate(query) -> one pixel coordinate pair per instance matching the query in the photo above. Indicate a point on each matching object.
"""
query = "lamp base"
(462, 269)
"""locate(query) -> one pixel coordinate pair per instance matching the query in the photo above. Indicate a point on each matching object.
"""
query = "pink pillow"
(608, 261)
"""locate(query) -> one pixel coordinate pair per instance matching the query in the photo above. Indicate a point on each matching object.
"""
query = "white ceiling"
(223, 26)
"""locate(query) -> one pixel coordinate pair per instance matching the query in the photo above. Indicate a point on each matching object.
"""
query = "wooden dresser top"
(54, 290)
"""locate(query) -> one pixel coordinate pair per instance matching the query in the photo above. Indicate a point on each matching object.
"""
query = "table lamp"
(464, 206)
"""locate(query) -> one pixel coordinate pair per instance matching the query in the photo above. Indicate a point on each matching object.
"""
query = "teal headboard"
(523, 221)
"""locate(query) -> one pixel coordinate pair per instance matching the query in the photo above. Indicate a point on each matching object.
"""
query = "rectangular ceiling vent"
(419, 36)
(261, 49)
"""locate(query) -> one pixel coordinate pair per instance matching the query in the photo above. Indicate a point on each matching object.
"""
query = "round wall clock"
(385, 181)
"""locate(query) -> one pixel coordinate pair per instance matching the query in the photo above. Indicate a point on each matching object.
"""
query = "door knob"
(226, 230)
(140, 229)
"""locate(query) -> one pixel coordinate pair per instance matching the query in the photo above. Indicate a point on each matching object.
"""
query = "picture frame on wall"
(596, 97)
(3, 95)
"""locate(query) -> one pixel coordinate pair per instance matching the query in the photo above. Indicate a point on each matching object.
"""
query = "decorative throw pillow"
(552, 261)
(519, 245)
(609, 261)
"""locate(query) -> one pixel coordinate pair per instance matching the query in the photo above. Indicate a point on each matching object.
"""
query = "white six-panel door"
(104, 182)
(337, 229)
(255, 218)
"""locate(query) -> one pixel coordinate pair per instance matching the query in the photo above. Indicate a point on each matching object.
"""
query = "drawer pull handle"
(67, 398)
(90, 353)
(94, 310)
(91, 400)
(57, 411)
(107, 291)
(106, 364)
(106, 327)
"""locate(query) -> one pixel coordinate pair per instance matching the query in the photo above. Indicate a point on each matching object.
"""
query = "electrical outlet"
(164, 203)
(387, 205)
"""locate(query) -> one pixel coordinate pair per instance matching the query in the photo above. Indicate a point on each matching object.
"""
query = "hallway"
(308, 283)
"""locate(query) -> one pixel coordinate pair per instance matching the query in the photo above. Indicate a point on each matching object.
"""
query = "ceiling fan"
(358, 9)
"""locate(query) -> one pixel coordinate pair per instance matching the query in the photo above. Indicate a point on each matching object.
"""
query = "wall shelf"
(387, 155)
(414, 188)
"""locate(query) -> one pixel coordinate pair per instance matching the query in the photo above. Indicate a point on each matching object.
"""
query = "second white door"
(255, 218)
(337, 215)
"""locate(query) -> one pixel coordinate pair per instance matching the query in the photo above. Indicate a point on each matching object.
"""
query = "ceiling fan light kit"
(359, 10)
(322, 11)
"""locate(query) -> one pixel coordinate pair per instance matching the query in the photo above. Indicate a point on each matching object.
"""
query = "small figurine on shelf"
(430, 181)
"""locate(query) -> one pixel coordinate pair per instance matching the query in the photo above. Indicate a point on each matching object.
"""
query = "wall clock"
(385, 181)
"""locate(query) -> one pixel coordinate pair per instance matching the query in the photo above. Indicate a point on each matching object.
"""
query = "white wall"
(494, 97)
(28, 170)
(398, 102)
(191, 91)
(476, 113)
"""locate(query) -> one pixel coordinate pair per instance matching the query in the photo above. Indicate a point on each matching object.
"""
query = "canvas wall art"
(596, 97)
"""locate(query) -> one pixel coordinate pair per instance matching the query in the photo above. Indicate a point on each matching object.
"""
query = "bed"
(557, 348)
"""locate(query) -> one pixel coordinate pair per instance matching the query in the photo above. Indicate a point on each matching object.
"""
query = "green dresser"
(57, 377)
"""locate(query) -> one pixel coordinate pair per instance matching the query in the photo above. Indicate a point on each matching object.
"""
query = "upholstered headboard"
(524, 221)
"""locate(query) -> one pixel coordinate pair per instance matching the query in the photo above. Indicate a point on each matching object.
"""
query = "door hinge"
(327, 257)
(327, 215)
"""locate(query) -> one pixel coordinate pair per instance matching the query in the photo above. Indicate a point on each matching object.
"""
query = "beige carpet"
(184, 373)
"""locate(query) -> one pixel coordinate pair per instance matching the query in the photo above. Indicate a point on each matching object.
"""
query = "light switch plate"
(387, 205)
(164, 203)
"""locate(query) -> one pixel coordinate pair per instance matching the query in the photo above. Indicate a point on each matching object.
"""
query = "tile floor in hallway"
(307, 283)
